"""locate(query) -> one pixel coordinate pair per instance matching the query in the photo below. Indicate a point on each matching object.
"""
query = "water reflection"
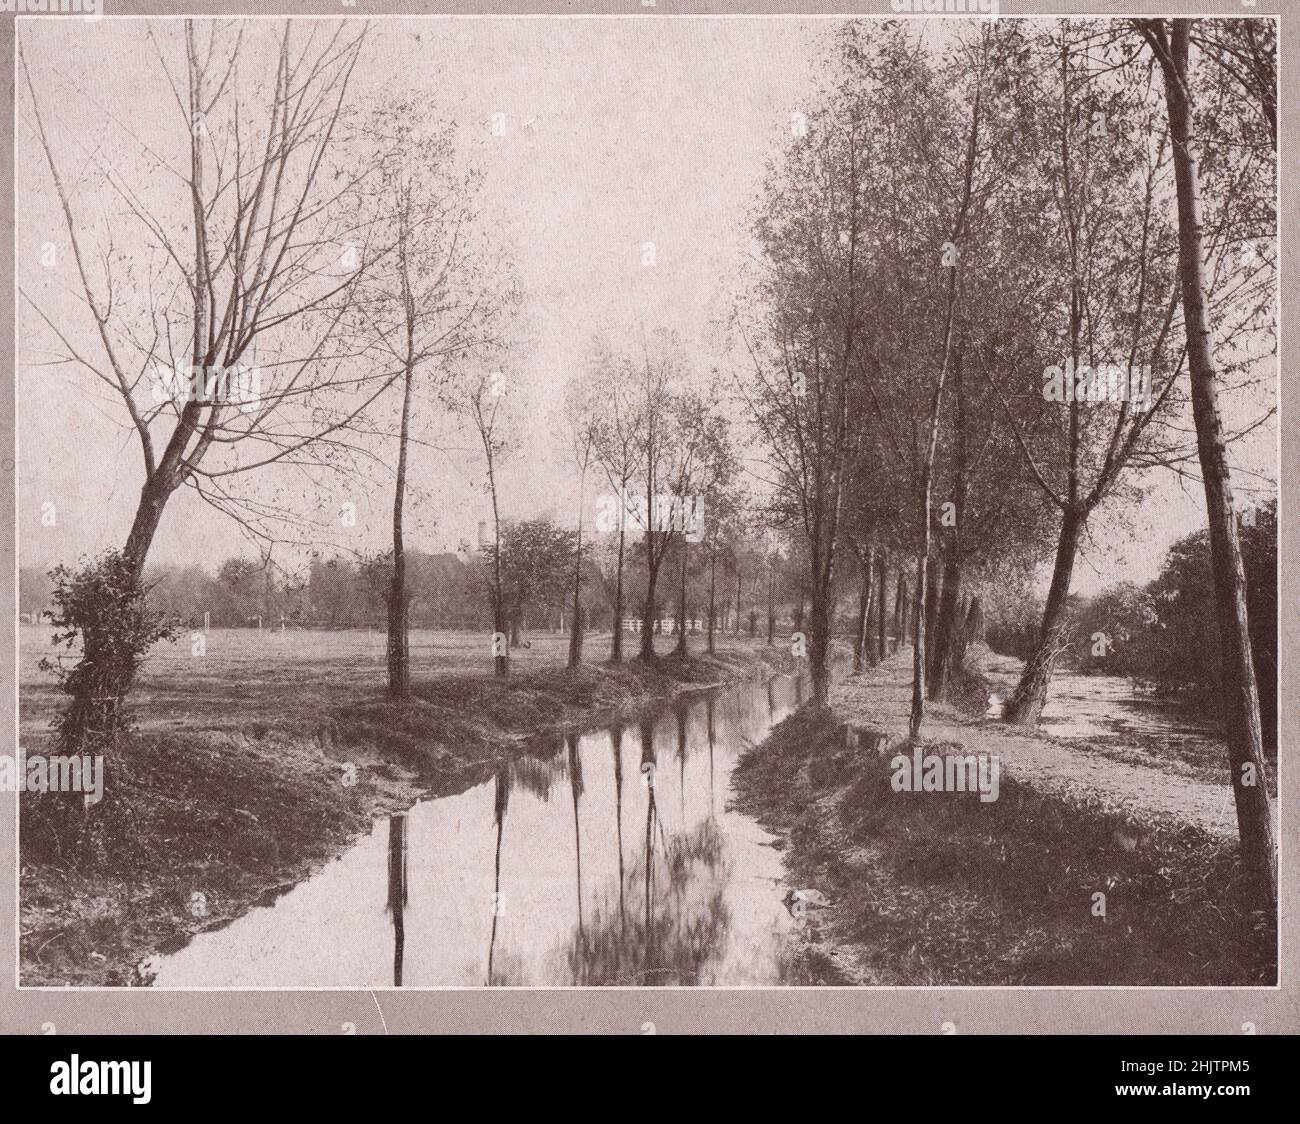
(575, 786)
(1102, 708)
(685, 923)
(712, 736)
(500, 803)
(397, 889)
(616, 744)
(639, 875)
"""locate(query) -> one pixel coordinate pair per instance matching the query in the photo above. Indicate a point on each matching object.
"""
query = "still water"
(1106, 709)
(606, 858)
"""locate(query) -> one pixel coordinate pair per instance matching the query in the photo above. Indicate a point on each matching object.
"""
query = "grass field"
(242, 676)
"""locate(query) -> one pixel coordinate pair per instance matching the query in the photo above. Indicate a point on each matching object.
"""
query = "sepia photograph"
(647, 502)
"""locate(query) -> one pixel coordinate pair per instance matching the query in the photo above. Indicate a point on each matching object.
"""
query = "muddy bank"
(930, 888)
(198, 826)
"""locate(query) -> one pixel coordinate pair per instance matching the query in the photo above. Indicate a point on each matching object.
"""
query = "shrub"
(101, 609)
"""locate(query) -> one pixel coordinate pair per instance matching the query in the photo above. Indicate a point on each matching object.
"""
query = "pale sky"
(619, 132)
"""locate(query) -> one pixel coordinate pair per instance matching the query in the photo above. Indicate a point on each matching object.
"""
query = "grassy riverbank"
(941, 888)
(235, 787)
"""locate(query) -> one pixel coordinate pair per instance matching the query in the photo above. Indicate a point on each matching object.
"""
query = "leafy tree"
(535, 559)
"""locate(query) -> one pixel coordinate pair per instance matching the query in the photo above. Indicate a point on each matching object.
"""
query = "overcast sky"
(619, 132)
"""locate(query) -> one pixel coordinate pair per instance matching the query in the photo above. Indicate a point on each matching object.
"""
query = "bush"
(101, 609)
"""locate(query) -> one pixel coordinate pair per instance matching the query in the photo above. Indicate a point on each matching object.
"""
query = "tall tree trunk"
(900, 607)
(616, 651)
(1026, 702)
(1240, 692)
(148, 514)
(819, 645)
(500, 649)
(771, 603)
(933, 593)
(649, 616)
(961, 633)
(949, 622)
(653, 558)
(737, 596)
(881, 579)
(575, 633)
(713, 583)
(399, 652)
(860, 639)
(681, 604)
(946, 628)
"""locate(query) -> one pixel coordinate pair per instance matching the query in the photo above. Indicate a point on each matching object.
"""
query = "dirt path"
(879, 700)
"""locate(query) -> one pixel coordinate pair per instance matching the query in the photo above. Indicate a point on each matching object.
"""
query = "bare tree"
(224, 360)
(420, 306)
(658, 449)
(479, 398)
(582, 445)
(615, 424)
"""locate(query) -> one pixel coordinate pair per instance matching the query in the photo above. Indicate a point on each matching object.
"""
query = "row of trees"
(456, 591)
(336, 249)
(984, 311)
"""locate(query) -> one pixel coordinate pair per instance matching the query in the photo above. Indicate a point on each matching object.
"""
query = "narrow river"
(611, 859)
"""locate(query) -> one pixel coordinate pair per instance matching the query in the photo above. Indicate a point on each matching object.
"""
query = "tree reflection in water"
(397, 890)
(712, 735)
(500, 803)
(616, 743)
(575, 786)
(686, 920)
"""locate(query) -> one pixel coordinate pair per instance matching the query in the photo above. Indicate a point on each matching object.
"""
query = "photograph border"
(724, 1009)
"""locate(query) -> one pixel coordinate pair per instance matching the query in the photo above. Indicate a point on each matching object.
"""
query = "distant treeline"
(332, 592)
(453, 590)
